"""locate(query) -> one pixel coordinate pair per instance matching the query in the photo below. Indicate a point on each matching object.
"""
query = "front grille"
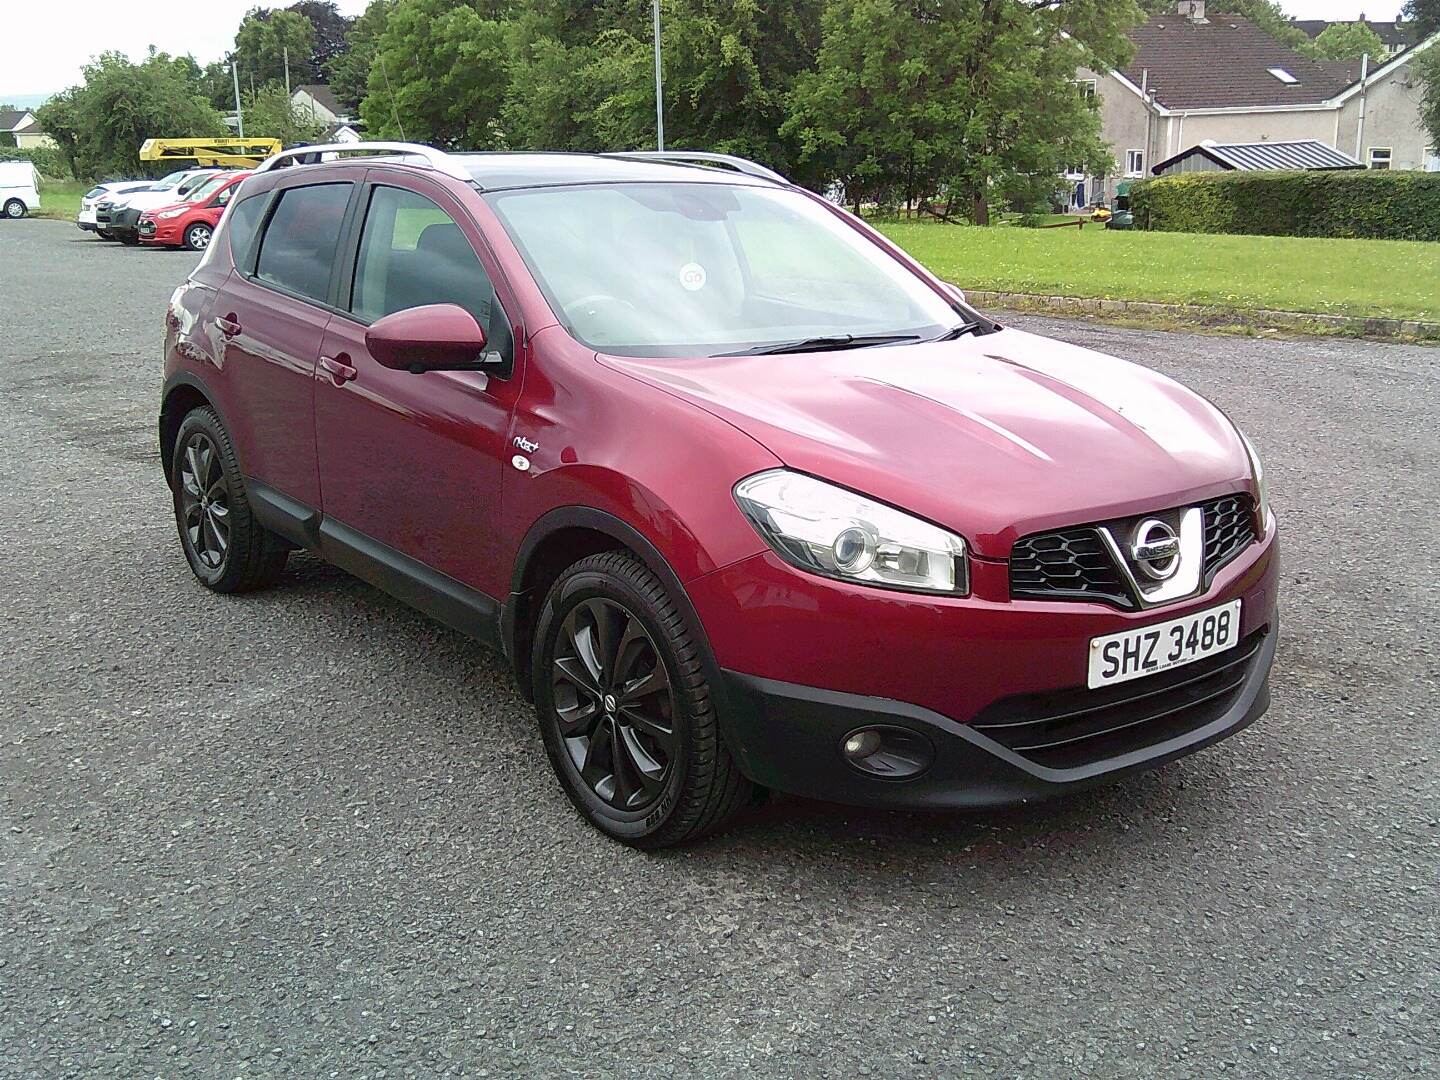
(1069, 565)
(1072, 728)
(1229, 530)
(1075, 564)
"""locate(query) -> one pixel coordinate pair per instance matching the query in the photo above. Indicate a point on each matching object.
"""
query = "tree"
(270, 113)
(349, 72)
(100, 125)
(331, 35)
(263, 42)
(967, 99)
(1427, 68)
(1348, 41)
(1426, 16)
(440, 74)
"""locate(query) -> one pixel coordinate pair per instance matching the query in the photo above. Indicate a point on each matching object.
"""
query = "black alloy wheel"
(625, 707)
(227, 548)
(614, 702)
(205, 502)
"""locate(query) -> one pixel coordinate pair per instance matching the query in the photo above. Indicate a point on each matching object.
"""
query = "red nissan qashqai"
(747, 497)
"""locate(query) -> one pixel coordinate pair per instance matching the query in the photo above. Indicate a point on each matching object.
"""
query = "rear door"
(270, 316)
(414, 461)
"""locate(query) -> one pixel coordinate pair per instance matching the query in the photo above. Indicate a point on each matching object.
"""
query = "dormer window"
(1284, 76)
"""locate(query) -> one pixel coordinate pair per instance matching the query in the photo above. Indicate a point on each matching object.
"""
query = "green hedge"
(1378, 205)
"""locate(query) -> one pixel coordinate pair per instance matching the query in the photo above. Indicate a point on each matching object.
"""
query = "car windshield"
(680, 269)
(205, 190)
(170, 181)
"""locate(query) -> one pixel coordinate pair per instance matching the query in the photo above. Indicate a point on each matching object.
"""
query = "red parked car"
(191, 223)
(748, 498)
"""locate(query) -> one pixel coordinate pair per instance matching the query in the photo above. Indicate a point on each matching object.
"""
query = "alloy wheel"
(614, 704)
(205, 502)
(199, 237)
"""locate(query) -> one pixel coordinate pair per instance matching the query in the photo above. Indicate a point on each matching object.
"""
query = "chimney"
(1194, 10)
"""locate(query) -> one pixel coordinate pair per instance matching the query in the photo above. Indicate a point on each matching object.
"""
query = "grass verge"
(1391, 279)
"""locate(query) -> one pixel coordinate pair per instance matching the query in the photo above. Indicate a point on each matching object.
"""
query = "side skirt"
(458, 606)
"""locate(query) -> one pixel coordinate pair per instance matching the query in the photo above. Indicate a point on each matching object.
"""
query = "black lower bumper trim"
(788, 737)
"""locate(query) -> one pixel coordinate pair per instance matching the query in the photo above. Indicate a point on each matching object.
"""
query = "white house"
(22, 126)
(1197, 79)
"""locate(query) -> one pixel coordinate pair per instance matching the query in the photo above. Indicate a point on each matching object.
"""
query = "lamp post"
(239, 114)
(659, 86)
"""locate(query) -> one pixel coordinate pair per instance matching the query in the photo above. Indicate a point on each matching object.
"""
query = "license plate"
(1117, 658)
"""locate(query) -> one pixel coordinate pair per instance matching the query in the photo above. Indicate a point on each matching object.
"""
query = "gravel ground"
(310, 833)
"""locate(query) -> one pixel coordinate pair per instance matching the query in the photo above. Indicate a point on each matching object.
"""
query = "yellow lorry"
(233, 153)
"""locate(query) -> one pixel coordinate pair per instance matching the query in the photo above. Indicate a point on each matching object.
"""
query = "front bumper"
(122, 221)
(807, 661)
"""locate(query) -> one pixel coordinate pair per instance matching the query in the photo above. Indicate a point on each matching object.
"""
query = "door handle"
(339, 368)
(227, 324)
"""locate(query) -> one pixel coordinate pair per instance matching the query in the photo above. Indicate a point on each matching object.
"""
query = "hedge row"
(1379, 205)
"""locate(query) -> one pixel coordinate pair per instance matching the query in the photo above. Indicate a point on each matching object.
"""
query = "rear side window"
(412, 253)
(298, 248)
(244, 220)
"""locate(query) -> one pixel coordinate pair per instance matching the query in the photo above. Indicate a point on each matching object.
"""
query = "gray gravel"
(310, 833)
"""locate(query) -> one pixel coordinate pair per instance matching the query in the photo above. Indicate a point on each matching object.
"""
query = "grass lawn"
(61, 198)
(1369, 278)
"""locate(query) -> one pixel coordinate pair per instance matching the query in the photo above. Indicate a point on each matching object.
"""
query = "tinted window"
(412, 253)
(298, 247)
(241, 226)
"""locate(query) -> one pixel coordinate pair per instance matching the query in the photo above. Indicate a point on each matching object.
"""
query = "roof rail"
(701, 157)
(432, 158)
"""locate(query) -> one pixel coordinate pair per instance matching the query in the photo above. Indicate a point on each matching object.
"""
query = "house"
(1225, 80)
(23, 130)
(316, 101)
(1396, 35)
(1305, 154)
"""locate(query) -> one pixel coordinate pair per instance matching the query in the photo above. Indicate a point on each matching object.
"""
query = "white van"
(19, 188)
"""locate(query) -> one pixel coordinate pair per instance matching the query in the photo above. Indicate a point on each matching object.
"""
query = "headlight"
(1262, 493)
(831, 531)
(170, 214)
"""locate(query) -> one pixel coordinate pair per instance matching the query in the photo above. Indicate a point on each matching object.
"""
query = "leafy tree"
(1348, 41)
(440, 74)
(972, 98)
(331, 35)
(270, 113)
(262, 42)
(1426, 16)
(349, 72)
(1427, 66)
(100, 125)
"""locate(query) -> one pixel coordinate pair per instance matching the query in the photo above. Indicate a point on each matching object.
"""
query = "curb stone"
(1261, 318)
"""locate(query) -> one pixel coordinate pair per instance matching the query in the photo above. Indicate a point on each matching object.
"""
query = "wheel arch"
(562, 537)
(183, 392)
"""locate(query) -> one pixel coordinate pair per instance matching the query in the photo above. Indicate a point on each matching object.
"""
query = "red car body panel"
(466, 475)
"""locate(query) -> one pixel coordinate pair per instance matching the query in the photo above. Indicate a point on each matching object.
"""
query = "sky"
(35, 65)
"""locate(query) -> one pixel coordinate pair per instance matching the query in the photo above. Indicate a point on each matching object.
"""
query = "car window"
(207, 186)
(412, 253)
(683, 269)
(224, 196)
(241, 226)
(190, 184)
(298, 247)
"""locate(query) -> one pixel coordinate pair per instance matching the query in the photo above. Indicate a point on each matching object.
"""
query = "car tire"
(14, 209)
(105, 234)
(197, 237)
(652, 772)
(227, 549)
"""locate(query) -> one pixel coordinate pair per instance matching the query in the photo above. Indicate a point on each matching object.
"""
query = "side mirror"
(436, 337)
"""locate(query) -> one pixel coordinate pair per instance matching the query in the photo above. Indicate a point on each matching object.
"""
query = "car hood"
(144, 200)
(995, 436)
(151, 211)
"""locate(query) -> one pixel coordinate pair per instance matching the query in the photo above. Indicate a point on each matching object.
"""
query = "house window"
(1087, 88)
(1379, 157)
(1134, 162)
(1284, 76)
(1074, 172)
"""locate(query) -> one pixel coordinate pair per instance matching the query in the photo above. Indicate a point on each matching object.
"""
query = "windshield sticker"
(692, 276)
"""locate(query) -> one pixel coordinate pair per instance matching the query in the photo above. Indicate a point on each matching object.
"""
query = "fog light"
(886, 752)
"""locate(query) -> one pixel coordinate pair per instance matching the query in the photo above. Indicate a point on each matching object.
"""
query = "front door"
(414, 461)
(271, 317)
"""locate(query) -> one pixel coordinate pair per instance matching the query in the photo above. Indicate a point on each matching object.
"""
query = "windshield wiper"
(824, 344)
(960, 331)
